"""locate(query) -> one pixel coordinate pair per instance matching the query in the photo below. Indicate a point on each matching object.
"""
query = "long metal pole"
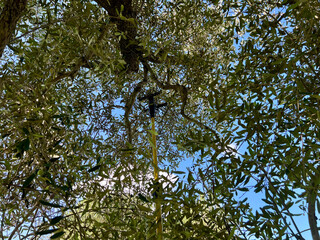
(156, 178)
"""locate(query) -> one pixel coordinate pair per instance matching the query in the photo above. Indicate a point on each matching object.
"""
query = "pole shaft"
(156, 177)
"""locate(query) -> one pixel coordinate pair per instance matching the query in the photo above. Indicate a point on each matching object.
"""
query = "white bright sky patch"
(140, 183)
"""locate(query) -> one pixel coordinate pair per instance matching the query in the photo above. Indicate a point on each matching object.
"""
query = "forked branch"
(183, 91)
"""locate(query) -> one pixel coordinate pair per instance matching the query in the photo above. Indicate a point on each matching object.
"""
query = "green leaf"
(54, 205)
(127, 149)
(28, 181)
(315, 96)
(98, 159)
(143, 208)
(221, 117)
(24, 145)
(190, 177)
(210, 99)
(55, 220)
(179, 172)
(293, 6)
(57, 235)
(143, 198)
(35, 135)
(54, 159)
(94, 168)
(44, 232)
(25, 130)
(5, 135)
(153, 132)
(232, 233)
(151, 143)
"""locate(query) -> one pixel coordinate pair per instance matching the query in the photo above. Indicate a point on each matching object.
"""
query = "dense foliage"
(241, 83)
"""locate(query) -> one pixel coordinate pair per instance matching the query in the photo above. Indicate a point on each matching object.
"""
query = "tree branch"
(312, 217)
(311, 200)
(183, 91)
(131, 101)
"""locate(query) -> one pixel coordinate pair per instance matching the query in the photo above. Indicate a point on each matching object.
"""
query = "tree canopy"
(240, 79)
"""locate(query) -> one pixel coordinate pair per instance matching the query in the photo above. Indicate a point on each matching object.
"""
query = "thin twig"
(277, 209)
(31, 211)
(33, 30)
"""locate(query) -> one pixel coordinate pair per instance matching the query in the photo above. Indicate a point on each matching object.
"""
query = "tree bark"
(10, 15)
(311, 215)
(128, 43)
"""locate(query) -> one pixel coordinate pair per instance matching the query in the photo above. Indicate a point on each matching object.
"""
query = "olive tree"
(240, 79)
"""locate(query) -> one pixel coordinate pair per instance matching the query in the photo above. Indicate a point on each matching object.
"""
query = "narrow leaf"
(55, 220)
(315, 96)
(94, 168)
(232, 233)
(143, 208)
(179, 172)
(143, 198)
(54, 205)
(57, 235)
(28, 181)
(46, 231)
(153, 132)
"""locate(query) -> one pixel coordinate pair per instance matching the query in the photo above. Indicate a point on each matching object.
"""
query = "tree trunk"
(128, 44)
(10, 15)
